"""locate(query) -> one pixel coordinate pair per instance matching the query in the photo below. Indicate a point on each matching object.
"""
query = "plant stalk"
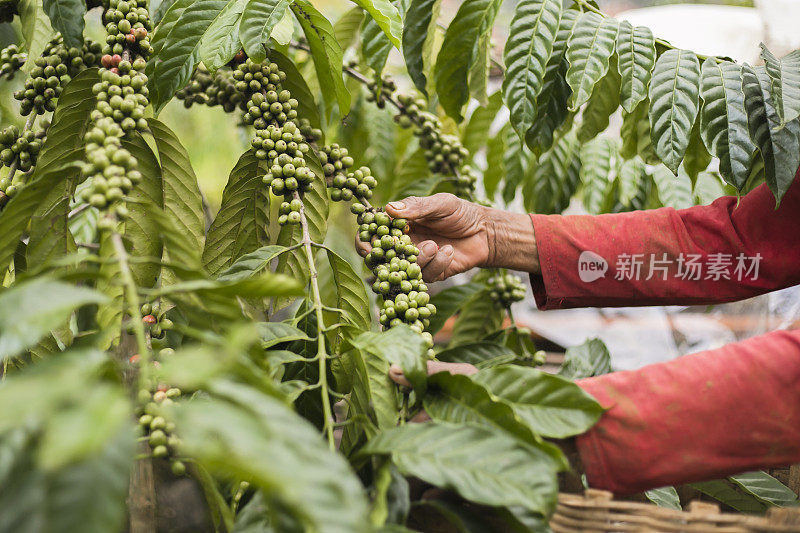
(322, 355)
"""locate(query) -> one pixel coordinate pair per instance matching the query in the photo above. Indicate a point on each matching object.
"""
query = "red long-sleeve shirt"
(705, 415)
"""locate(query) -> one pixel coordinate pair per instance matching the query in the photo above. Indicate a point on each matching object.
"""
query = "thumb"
(416, 207)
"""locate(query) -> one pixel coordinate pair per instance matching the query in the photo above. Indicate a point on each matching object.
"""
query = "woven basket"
(597, 511)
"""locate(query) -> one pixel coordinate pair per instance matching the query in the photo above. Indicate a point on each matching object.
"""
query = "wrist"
(511, 241)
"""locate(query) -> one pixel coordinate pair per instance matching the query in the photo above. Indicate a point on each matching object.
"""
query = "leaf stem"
(322, 355)
(132, 298)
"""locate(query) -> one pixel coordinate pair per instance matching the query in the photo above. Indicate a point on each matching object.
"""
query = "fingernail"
(447, 249)
(429, 248)
(397, 206)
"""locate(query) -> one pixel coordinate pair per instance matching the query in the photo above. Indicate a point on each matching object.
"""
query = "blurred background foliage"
(215, 141)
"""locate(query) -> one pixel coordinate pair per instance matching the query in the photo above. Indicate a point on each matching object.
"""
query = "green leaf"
(636, 48)
(325, 51)
(530, 43)
(449, 301)
(602, 104)
(514, 165)
(346, 29)
(724, 120)
(79, 430)
(478, 77)
(221, 40)
(697, 157)
(589, 359)
(480, 354)
(49, 234)
(784, 76)
(551, 105)
(401, 346)
(283, 31)
(182, 200)
(729, 494)
(273, 333)
(674, 102)
(67, 499)
(140, 231)
(596, 164)
(257, 437)
(386, 16)
(635, 132)
(457, 399)
(477, 317)
(109, 317)
(495, 150)
(240, 226)
(159, 9)
(550, 405)
(296, 85)
(476, 130)
(351, 295)
(630, 177)
(66, 17)
(176, 47)
(766, 488)
(258, 20)
(418, 35)
(251, 264)
(261, 286)
(674, 191)
(36, 29)
(459, 50)
(375, 46)
(779, 146)
(664, 497)
(483, 465)
(588, 51)
(18, 211)
(75, 504)
(28, 311)
(552, 182)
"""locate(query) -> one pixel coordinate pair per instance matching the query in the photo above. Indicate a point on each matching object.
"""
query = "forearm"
(511, 242)
(703, 416)
(726, 251)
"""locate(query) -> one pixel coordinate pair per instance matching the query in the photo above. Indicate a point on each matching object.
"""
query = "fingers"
(434, 367)
(427, 251)
(396, 375)
(435, 269)
(416, 207)
(363, 248)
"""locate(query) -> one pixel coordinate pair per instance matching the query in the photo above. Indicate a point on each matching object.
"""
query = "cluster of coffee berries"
(159, 432)
(506, 289)
(213, 90)
(154, 320)
(51, 72)
(278, 140)
(11, 60)
(20, 149)
(122, 98)
(127, 27)
(380, 90)
(346, 185)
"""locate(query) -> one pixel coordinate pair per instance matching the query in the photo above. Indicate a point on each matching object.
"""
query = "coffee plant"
(166, 368)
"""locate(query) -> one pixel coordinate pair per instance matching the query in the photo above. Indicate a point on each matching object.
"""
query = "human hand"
(454, 235)
(434, 367)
